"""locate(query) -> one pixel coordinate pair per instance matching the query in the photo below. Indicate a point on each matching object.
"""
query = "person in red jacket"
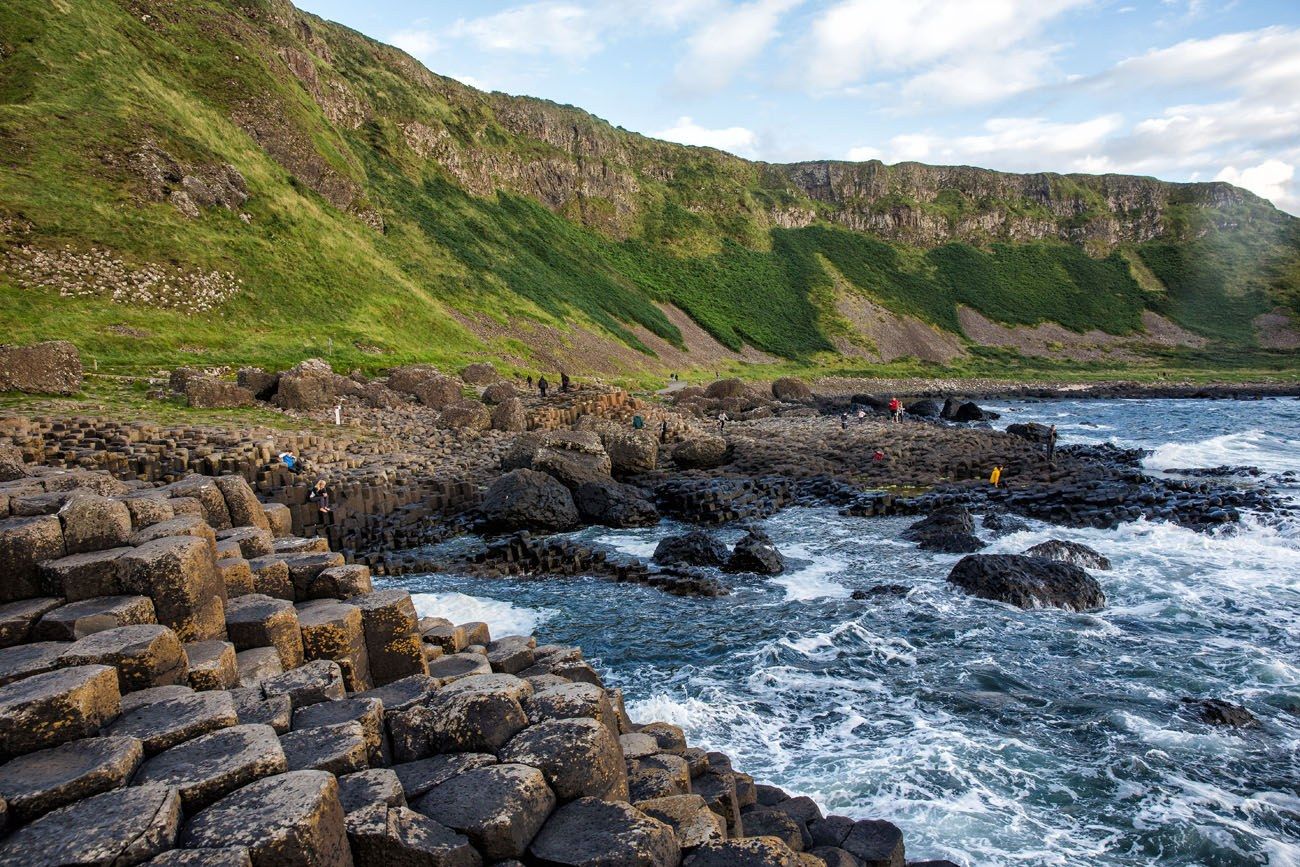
(896, 408)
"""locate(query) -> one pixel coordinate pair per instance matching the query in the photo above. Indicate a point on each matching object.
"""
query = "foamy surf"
(502, 618)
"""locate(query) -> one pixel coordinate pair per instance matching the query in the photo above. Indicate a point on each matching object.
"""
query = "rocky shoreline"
(196, 667)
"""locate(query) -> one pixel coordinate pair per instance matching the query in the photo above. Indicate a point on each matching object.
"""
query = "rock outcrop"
(1027, 582)
(53, 367)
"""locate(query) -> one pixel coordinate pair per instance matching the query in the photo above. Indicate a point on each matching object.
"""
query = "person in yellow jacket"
(995, 477)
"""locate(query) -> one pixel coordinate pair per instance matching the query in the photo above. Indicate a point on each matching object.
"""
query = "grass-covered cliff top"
(376, 213)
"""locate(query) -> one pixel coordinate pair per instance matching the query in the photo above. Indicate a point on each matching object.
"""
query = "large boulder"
(721, 389)
(1069, 552)
(480, 373)
(694, 548)
(1032, 431)
(950, 531)
(259, 382)
(924, 409)
(53, 367)
(791, 390)
(756, 553)
(573, 457)
(383, 835)
(427, 385)
(312, 384)
(510, 416)
(465, 415)
(498, 393)
(612, 504)
(1027, 582)
(208, 392)
(632, 452)
(1217, 712)
(528, 500)
(700, 451)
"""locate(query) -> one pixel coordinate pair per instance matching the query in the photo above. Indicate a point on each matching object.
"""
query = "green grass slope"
(389, 207)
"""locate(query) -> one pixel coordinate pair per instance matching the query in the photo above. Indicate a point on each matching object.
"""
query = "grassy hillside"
(388, 209)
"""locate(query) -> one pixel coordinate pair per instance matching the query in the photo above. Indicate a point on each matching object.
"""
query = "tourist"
(896, 408)
(844, 421)
(1051, 444)
(995, 477)
(320, 492)
(722, 421)
(862, 414)
(638, 422)
(663, 431)
(530, 382)
(290, 462)
(542, 385)
(878, 456)
(338, 412)
(564, 382)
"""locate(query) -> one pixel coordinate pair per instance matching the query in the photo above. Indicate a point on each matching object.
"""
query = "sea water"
(990, 735)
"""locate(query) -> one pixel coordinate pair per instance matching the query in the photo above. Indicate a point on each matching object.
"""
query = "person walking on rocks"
(338, 412)
(896, 409)
(530, 382)
(722, 421)
(321, 493)
(995, 477)
(663, 432)
(844, 421)
(542, 385)
(1051, 444)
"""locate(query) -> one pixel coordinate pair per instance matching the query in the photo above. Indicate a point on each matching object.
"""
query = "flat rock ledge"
(183, 682)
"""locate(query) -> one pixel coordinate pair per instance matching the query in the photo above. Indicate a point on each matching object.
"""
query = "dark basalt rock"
(696, 548)
(1032, 431)
(1003, 524)
(882, 591)
(1069, 552)
(1218, 712)
(1027, 582)
(923, 409)
(950, 531)
(528, 500)
(612, 504)
(756, 553)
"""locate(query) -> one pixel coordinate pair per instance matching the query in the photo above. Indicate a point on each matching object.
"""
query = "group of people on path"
(544, 386)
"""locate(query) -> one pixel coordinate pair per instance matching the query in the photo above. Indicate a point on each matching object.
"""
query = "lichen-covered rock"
(465, 415)
(45, 710)
(500, 807)
(592, 831)
(791, 390)
(92, 523)
(498, 393)
(632, 452)
(34, 784)
(700, 452)
(161, 725)
(427, 385)
(122, 826)
(580, 758)
(383, 836)
(480, 373)
(510, 415)
(144, 655)
(211, 766)
(25, 542)
(289, 819)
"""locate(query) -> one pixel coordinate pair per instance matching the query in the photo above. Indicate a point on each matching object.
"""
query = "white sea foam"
(1269, 451)
(502, 618)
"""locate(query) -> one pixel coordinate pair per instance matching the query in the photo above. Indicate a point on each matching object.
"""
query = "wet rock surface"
(1027, 582)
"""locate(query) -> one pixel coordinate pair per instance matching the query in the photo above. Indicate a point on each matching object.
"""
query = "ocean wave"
(1255, 448)
(502, 618)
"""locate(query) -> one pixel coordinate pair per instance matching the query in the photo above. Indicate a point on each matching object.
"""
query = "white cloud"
(863, 153)
(734, 139)
(415, 42)
(563, 29)
(728, 42)
(979, 77)
(857, 40)
(1270, 179)
(1011, 144)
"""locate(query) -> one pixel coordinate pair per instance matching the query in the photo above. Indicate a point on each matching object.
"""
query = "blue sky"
(1180, 89)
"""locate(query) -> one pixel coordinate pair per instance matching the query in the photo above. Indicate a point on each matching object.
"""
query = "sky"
(1185, 90)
